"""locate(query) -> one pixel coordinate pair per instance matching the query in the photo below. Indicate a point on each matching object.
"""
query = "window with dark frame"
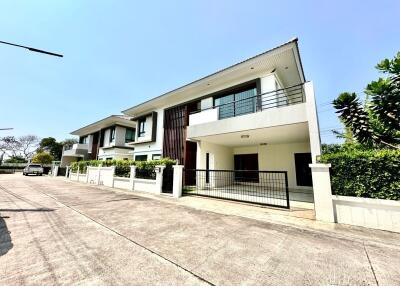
(141, 158)
(142, 125)
(156, 157)
(112, 134)
(130, 135)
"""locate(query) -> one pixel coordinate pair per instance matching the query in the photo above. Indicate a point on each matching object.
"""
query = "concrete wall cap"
(319, 165)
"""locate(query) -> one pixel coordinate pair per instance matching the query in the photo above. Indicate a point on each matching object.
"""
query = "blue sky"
(120, 53)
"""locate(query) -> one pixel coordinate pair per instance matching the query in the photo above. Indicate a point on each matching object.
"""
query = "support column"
(132, 178)
(159, 178)
(177, 184)
(323, 202)
(313, 125)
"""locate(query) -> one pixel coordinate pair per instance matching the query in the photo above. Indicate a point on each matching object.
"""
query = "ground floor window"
(156, 157)
(303, 170)
(141, 158)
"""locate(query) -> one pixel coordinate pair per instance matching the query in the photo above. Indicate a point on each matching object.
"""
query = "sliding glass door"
(236, 104)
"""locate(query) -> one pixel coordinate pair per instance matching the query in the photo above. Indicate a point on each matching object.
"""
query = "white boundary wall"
(372, 213)
(105, 176)
(366, 212)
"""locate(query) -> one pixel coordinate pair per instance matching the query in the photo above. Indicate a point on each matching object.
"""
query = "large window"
(142, 126)
(112, 134)
(236, 104)
(130, 135)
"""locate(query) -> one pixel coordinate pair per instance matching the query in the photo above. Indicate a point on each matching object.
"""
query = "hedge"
(365, 173)
(122, 167)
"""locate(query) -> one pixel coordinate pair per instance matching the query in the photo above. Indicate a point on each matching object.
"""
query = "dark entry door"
(303, 170)
(244, 165)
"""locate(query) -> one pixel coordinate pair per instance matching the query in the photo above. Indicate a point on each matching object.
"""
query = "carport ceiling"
(273, 135)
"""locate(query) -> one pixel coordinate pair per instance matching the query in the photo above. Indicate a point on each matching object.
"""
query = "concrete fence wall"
(105, 176)
(365, 212)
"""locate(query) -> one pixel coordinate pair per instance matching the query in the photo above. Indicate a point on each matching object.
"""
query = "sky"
(120, 53)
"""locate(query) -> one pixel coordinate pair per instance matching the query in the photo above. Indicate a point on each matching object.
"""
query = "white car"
(35, 169)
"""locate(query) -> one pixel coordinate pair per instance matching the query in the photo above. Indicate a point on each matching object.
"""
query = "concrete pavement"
(55, 232)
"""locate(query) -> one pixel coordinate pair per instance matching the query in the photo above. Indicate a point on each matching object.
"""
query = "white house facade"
(106, 139)
(247, 132)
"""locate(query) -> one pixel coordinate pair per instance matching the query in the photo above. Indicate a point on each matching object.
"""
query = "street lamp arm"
(32, 49)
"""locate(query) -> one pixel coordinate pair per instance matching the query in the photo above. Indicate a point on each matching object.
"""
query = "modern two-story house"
(246, 132)
(107, 139)
(254, 116)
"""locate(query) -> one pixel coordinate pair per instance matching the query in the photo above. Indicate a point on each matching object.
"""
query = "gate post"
(159, 178)
(323, 203)
(177, 184)
(67, 172)
(55, 171)
(77, 174)
(98, 175)
(132, 177)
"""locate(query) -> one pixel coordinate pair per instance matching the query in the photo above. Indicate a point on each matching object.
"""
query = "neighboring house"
(106, 139)
(256, 115)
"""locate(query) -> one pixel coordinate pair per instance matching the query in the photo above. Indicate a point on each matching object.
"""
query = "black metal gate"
(258, 187)
(168, 179)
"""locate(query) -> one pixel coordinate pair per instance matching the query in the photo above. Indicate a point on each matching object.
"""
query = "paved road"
(57, 232)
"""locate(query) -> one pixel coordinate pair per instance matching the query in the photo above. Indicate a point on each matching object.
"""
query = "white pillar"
(55, 171)
(132, 177)
(177, 184)
(313, 125)
(323, 203)
(67, 172)
(98, 175)
(77, 174)
(112, 176)
(159, 178)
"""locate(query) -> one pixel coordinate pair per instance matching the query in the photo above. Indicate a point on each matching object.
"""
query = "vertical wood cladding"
(175, 122)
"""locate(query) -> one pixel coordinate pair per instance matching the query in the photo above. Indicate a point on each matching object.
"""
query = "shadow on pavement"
(27, 210)
(5, 238)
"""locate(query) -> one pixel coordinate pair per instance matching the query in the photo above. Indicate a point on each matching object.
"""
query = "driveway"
(58, 232)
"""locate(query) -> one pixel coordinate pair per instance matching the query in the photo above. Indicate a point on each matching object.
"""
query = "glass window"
(141, 158)
(156, 157)
(142, 123)
(112, 134)
(236, 104)
(83, 140)
(130, 135)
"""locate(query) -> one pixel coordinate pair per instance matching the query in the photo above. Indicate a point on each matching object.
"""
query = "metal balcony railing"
(260, 102)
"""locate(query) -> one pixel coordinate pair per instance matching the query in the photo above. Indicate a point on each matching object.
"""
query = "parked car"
(35, 169)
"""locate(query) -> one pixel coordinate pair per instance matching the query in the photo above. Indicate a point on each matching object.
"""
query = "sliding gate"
(259, 187)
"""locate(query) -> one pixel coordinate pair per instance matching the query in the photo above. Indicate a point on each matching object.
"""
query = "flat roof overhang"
(104, 123)
(292, 133)
(283, 59)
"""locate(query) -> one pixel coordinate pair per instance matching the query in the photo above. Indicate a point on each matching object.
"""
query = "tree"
(10, 145)
(377, 122)
(42, 158)
(50, 145)
(28, 145)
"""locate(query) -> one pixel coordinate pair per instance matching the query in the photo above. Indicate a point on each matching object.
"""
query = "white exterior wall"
(150, 148)
(272, 157)
(221, 157)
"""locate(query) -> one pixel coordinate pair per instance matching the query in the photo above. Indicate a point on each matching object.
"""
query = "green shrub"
(122, 167)
(365, 173)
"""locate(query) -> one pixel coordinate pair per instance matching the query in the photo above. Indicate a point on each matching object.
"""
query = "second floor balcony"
(75, 150)
(247, 111)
